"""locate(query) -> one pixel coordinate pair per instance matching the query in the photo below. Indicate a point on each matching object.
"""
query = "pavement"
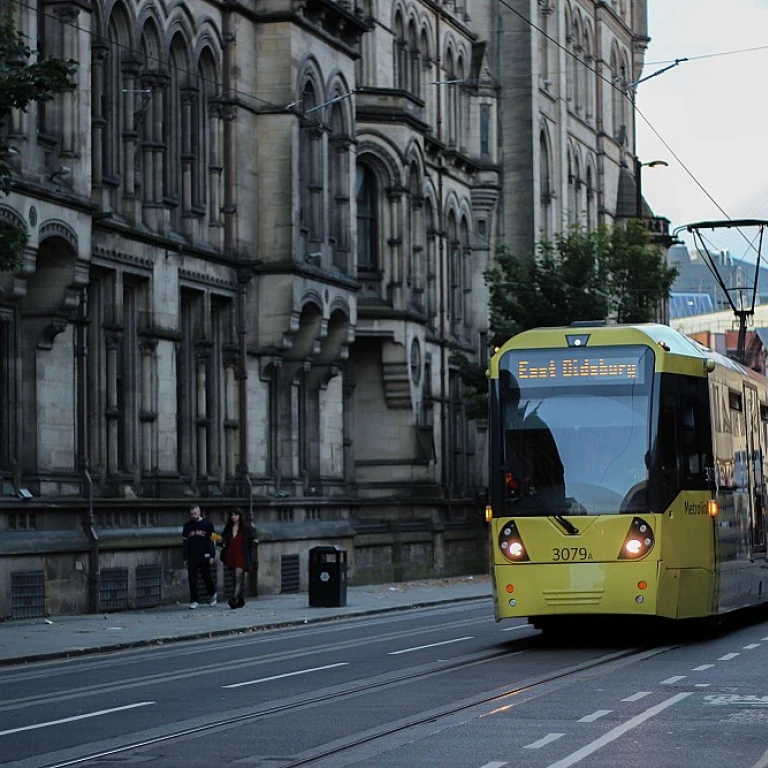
(24, 641)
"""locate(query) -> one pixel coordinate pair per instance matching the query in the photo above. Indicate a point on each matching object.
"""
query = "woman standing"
(236, 553)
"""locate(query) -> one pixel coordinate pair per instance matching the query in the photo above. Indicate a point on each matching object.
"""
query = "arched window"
(450, 98)
(338, 188)
(207, 145)
(416, 267)
(570, 64)
(465, 286)
(572, 171)
(430, 307)
(455, 273)
(415, 59)
(579, 79)
(310, 174)
(425, 92)
(402, 63)
(367, 220)
(618, 81)
(461, 105)
(177, 120)
(545, 182)
(589, 72)
(112, 108)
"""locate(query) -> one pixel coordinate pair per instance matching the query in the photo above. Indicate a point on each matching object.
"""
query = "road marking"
(431, 645)
(763, 761)
(76, 717)
(619, 730)
(702, 685)
(515, 629)
(495, 764)
(703, 667)
(287, 674)
(728, 657)
(637, 696)
(550, 737)
(673, 679)
(595, 715)
(751, 646)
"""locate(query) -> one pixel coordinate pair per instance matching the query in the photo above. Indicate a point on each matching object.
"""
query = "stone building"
(257, 235)
(567, 125)
(252, 251)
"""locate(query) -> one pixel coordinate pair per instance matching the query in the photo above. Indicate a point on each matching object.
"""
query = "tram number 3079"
(570, 554)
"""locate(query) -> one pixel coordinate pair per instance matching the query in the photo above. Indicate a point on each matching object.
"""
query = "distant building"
(697, 291)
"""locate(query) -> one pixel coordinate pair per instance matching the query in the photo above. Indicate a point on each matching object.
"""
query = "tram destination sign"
(559, 367)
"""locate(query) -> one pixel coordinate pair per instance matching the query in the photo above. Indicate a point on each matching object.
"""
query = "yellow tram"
(627, 476)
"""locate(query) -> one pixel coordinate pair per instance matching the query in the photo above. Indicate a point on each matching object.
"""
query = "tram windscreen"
(576, 430)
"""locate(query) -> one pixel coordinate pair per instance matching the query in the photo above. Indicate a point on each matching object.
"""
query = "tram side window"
(696, 439)
(667, 446)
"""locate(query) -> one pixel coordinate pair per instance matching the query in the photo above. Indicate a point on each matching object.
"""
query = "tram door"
(755, 472)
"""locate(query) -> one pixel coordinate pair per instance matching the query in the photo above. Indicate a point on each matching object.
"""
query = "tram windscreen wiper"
(567, 524)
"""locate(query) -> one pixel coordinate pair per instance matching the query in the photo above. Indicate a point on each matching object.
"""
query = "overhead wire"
(627, 93)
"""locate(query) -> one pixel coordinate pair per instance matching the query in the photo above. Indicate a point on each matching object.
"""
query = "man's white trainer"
(192, 606)
(214, 599)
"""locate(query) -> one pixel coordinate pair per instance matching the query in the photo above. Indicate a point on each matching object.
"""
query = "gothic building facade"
(257, 236)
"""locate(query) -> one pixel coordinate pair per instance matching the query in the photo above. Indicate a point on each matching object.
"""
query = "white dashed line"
(751, 646)
(763, 761)
(703, 667)
(550, 737)
(595, 715)
(637, 696)
(495, 764)
(702, 685)
(431, 645)
(616, 732)
(728, 657)
(673, 679)
(287, 674)
(75, 718)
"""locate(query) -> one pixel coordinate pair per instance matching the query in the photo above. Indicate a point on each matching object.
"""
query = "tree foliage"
(25, 78)
(611, 272)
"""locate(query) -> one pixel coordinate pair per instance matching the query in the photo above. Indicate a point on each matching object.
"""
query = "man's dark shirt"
(196, 535)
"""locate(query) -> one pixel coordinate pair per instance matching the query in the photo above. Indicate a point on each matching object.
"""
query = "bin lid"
(327, 548)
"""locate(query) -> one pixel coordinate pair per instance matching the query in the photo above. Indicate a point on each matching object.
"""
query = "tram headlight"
(511, 544)
(638, 542)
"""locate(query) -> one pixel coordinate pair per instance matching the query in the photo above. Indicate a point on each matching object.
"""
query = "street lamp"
(638, 183)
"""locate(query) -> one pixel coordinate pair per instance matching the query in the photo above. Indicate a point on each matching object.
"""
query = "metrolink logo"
(695, 507)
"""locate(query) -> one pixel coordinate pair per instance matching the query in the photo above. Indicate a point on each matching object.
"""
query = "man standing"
(199, 551)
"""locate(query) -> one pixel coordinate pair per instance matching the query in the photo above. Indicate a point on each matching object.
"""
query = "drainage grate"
(148, 592)
(27, 594)
(113, 589)
(289, 574)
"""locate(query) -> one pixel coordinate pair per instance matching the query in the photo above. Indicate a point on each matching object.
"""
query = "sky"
(706, 117)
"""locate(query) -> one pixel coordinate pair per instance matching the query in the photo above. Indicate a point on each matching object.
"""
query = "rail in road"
(323, 752)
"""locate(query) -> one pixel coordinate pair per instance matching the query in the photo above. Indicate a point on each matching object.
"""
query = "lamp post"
(638, 182)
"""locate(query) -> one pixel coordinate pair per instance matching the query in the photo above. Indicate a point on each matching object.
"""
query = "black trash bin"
(327, 577)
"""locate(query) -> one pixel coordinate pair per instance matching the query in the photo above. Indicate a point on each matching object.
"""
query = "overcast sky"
(711, 112)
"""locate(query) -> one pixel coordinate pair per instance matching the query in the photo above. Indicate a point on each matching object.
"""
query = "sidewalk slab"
(31, 640)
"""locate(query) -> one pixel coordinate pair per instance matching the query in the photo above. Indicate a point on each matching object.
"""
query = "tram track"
(335, 749)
